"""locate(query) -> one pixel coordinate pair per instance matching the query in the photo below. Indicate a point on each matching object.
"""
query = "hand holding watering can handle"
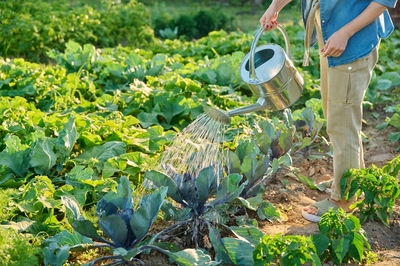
(252, 71)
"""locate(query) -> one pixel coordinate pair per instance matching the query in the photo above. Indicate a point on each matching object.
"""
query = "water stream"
(196, 147)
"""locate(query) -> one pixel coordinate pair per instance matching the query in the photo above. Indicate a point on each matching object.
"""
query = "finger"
(326, 46)
(272, 25)
(337, 54)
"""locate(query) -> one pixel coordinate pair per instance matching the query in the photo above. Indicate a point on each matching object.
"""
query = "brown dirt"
(384, 241)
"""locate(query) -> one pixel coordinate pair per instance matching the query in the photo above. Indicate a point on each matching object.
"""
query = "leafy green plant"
(380, 186)
(125, 227)
(198, 195)
(34, 27)
(255, 167)
(393, 121)
(19, 159)
(285, 250)
(308, 125)
(193, 26)
(342, 239)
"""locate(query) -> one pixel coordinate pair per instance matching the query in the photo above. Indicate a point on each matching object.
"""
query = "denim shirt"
(337, 13)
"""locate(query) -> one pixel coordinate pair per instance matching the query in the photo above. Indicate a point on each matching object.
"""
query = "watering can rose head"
(195, 192)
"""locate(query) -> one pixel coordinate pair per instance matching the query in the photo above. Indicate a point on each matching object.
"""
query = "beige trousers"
(342, 92)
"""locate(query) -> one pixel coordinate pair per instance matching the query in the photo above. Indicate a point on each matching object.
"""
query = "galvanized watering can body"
(271, 76)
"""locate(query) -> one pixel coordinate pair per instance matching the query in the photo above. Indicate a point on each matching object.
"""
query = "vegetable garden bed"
(78, 138)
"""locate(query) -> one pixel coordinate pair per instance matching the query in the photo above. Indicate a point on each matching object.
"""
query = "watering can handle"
(252, 71)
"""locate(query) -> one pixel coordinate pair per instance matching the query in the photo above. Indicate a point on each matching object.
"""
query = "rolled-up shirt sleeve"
(387, 3)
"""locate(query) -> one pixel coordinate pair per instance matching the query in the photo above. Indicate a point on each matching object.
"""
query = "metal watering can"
(271, 76)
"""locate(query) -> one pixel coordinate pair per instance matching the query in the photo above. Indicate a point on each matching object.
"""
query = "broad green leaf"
(81, 177)
(43, 157)
(171, 110)
(232, 163)
(66, 237)
(383, 84)
(148, 119)
(147, 212)
(268, 211)
(115, 228)
(15, 156)
(309, 182)
(383, 216)
(101, 153)
(340, 248)
(66, 141)
(191, 257)
(243, 202)
(51, 258)
(20, 226)
(241, 252)
(393, 77)
(321, 243)
(229, 189)
(393, 137)
(87, 228)
(72, 208)
(249, 167)
(263, 142)
(356, 247)
(394, 121)
(251, 234)
(286, 139)
(113, 165)
(123, 198)
(382, 126)
(206, 183)
(245, 149)
(268, 128)
(161, 180)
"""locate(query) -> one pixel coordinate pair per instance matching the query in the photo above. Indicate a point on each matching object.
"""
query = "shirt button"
(323, 21)
(349, 68)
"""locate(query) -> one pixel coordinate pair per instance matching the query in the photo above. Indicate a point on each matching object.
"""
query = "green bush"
(195, 25)
(31, 28)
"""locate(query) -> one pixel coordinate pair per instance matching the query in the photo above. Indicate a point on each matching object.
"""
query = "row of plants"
(256, 159)
(191, 26)
(31, 28)
(341, 237)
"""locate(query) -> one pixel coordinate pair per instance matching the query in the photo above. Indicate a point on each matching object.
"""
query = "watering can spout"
(225, 117)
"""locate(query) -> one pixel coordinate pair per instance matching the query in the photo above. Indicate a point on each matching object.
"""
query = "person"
(348, 34)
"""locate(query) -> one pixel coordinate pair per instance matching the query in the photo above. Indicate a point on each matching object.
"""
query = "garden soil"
(385, 241)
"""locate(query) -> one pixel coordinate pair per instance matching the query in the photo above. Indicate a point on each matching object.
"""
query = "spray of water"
(196, 147)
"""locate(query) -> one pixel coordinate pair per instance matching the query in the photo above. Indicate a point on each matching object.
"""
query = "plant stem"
(93, 262)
